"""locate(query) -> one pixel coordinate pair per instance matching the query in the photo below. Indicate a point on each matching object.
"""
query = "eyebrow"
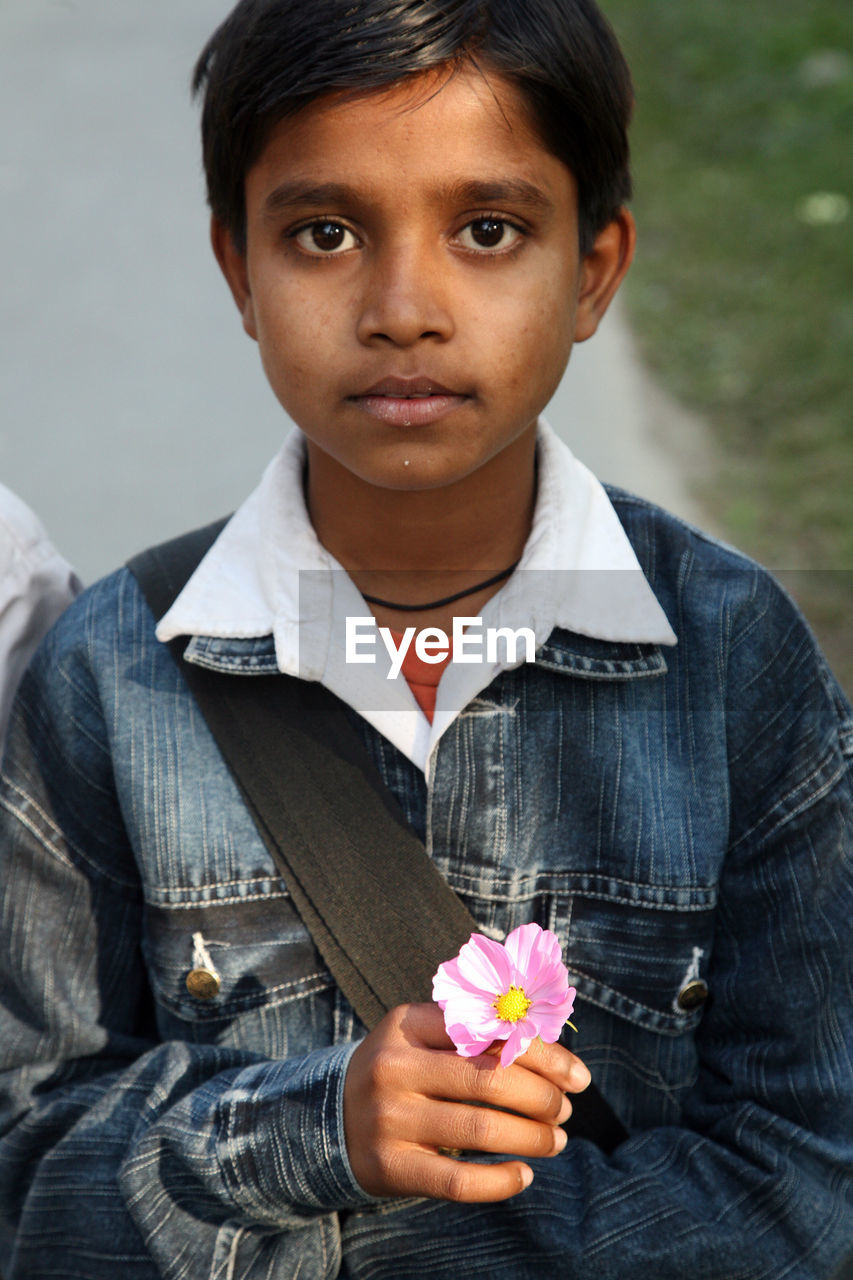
(291, 195)
(469, 194)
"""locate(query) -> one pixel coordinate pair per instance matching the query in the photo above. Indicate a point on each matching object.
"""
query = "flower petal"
(466, 1045)
(522, 944)
(447, 981)
(549, 1023)
(518, 1042)
(480, 1018)
(550, 987)
(484, 965)
(467, 988)
(536, 955)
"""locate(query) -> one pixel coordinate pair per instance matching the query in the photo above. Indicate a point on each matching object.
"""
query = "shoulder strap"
(356, 871)
(163, 571)
(381, 914)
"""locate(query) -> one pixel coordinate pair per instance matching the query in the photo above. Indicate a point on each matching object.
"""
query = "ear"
(233, 265)
(602, 272)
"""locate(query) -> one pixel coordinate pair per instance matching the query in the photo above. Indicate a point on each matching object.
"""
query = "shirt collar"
(267, 572)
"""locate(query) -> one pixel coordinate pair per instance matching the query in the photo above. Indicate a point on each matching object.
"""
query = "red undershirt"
(421, 677)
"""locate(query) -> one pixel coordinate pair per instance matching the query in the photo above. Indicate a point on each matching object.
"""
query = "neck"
(411, 545)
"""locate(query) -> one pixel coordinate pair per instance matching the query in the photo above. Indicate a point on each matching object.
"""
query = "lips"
(408, 388)
(408, 402)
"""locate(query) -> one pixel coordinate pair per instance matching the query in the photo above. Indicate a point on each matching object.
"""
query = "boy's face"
(413, 278)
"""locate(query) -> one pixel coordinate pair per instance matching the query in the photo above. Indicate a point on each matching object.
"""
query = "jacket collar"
(268, 574)
(569, 654)
(564, 653)
(269, 597)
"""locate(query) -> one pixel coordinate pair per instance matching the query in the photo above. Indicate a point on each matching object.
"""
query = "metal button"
(692, 995)
(204, 984)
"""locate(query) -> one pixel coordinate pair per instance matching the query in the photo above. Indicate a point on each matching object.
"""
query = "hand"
(407, 1093)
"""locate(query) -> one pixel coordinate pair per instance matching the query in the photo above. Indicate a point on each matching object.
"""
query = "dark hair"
(270, 58)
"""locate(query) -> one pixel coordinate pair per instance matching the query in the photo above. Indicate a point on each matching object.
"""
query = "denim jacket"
(684, 822)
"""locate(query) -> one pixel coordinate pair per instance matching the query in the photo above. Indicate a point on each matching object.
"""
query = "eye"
(325, 237)
(484, 235)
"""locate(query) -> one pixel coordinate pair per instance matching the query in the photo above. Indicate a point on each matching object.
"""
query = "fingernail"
(580, 1075)
(560, 1140)
(526, 1175)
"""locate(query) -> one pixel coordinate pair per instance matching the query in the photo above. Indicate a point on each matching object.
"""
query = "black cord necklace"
(437, 604)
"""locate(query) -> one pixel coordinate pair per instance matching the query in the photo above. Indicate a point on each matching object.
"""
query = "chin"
(412, 480)
(422, 476)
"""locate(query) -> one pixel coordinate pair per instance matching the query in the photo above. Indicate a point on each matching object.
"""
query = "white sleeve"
(36, 585)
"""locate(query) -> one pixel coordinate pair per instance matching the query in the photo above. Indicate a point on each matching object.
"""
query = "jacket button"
(204, 984)
(692, 995)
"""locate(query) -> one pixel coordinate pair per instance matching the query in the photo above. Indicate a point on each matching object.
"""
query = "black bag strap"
(381, 914)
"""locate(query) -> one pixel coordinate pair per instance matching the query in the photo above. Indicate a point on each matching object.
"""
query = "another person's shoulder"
(36, 586)
(26, 552)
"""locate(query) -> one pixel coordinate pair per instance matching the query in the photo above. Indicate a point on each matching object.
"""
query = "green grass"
(741, 294)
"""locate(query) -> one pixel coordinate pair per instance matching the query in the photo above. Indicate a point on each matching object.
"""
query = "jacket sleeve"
(755, 1180)
(187, 1159)
(115, 1146)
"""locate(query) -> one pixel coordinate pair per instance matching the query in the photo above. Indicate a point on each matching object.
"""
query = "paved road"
(132, 405)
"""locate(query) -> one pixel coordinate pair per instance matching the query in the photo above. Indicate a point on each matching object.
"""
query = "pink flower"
(511, 992)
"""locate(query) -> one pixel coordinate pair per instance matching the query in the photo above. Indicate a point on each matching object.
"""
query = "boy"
(418, 209)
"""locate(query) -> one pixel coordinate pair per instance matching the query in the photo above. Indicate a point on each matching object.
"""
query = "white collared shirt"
(267, 573)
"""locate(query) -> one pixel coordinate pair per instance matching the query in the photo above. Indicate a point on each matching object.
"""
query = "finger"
(418, 1172)
(423, 1024)
(448, 1077)
(557, 1064)
(471, 1128)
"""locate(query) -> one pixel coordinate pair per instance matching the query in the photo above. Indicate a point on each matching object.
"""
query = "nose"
(405, 298)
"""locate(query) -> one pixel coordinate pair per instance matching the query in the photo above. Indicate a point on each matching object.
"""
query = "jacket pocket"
(639, 956)
(244, 973)
(640, 952)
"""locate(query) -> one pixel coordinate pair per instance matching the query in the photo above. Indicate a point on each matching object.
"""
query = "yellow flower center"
(512, 1005)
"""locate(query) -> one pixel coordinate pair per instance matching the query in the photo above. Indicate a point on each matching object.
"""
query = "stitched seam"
(53, 841)
(234, 665)
(664, 1020)
(605, 1054)
(704, 896)
(238, 880)
(215, 901)
(294, 984)
(807, 802)
(642, 904)
(31, 803)
(239, 1004)
(577, 875)
(586, 673)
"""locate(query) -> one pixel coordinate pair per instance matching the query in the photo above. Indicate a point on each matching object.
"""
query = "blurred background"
(133, 407)
(741, 295)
